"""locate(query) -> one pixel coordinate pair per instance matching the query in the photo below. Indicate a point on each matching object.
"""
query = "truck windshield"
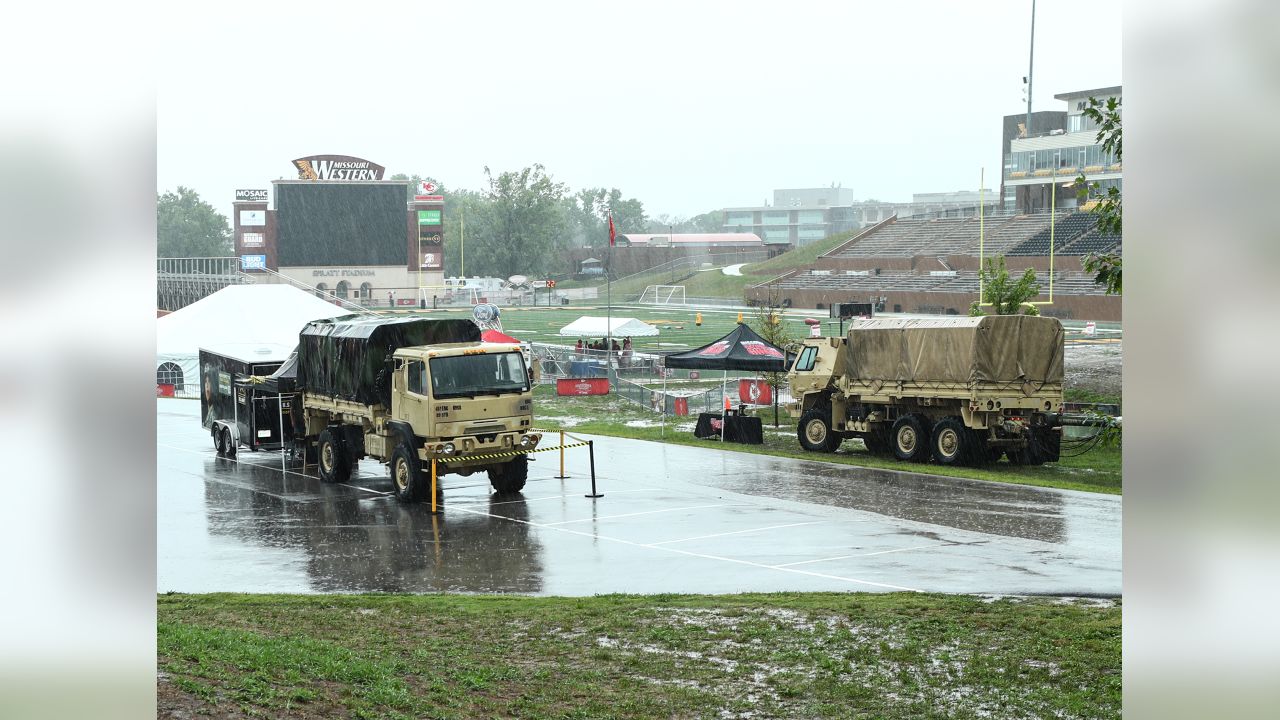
(479, 374)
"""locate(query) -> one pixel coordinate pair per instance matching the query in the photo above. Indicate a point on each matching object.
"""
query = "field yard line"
(736, 532)
(704, 556)
(870, 554)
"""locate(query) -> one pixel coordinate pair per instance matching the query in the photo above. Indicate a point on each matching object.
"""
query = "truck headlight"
(525, 441)
(447, 449)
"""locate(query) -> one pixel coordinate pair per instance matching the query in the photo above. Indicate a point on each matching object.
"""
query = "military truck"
(407, 391)
(962, 391)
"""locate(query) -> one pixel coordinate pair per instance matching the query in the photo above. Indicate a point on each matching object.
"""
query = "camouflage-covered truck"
(962, 391)
(407, 391)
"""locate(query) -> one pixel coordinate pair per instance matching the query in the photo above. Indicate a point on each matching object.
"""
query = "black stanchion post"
(591, 453)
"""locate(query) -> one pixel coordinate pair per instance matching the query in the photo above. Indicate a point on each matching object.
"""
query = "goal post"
(663, 295)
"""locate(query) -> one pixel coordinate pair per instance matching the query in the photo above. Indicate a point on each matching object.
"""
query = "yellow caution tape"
(510, 453)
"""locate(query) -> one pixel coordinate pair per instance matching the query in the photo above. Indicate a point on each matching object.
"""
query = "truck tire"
(952, 443)
(331, 456)
(815, 432)
(909, 438)
(409, 483)
(218, 440)
(509, 478)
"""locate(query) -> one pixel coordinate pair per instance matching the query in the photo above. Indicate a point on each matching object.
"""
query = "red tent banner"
(611, 233)
(755, 392)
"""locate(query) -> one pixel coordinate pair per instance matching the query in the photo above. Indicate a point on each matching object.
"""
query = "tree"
(187, 226)
(590, 208)
(1007, 297)
(520, 226)
(770, 326)
(1106, 267)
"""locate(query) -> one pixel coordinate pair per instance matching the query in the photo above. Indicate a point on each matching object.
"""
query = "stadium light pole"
(1031, 65)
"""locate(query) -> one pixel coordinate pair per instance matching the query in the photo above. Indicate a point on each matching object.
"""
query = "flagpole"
(608, 279)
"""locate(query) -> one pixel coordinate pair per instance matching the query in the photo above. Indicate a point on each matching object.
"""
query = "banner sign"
(755, 392)
(430, 261)
(253, 218)
(253, 262)
(428, 217)
(251, 195)
(337, 167)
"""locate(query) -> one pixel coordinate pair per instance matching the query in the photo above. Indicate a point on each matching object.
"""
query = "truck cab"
(467, 406)
(813, 374)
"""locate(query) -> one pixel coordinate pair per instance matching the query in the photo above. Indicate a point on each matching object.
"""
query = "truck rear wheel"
(335, 466)
(910, 438)
(218, 440)
(815, 433)
(952, 443)
(509, 478)
(406, 475)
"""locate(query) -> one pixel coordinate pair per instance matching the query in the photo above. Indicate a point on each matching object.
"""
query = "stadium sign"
(337, 167)
(251, 195)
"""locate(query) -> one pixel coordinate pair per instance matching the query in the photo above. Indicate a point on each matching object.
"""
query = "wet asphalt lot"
(672, 519)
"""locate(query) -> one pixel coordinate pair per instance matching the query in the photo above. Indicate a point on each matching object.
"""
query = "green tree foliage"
(1006, 296)
(187, 226)
(589, 209)
(768, 324)
(520, 227)
(1106, 267)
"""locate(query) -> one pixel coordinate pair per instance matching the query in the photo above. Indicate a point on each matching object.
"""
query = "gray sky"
(687, 106)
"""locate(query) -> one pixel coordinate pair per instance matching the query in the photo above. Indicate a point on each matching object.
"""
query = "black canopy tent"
(741, 349)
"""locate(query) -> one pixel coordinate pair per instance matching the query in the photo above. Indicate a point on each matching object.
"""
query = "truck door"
(412, 401)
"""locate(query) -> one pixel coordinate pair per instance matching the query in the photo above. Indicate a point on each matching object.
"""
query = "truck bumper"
(472, 450)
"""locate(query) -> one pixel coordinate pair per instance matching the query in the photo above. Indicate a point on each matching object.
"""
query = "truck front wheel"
(509, 478)
(910, 438)
(335, 466)
(815, 433)
(406, 474)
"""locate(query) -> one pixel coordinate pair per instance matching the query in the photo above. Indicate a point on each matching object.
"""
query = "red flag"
(611, 233)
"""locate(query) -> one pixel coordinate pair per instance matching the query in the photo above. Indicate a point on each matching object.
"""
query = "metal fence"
(182, 281)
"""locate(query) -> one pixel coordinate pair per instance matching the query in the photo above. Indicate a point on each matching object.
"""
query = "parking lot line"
(704, 556)
(625, 515)
(736, 532)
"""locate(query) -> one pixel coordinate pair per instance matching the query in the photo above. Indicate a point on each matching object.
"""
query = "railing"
(323, 294)
(182, 281)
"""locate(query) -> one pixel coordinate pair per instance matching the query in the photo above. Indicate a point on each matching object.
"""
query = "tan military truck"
(406, 391)
(962, 391)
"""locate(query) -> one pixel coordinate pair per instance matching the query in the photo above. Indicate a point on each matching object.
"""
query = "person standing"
(391, 298)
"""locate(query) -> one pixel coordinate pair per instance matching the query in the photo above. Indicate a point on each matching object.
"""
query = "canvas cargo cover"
(344, 356)
(996, 349)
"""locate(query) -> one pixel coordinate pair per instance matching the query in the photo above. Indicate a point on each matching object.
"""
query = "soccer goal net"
(663, 295)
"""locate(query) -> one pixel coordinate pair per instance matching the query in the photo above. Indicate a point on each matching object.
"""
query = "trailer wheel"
(335, 466)
(509, 477)
(218, 440)
(910, 438)
(815, 433)
(951, 442)
(406, 474)
(228, 443)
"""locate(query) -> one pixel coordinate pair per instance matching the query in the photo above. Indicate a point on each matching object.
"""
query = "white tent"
(588, 326)
(269, 315)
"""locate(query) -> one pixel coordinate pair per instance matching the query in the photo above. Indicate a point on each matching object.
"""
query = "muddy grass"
(748, 656)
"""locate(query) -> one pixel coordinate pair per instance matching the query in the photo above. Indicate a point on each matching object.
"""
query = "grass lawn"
(847, 655)
(1098, 470)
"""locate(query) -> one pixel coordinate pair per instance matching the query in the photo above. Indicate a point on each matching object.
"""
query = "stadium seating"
(1065, 230)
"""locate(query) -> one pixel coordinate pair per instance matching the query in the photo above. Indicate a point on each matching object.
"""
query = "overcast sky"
(687, 106)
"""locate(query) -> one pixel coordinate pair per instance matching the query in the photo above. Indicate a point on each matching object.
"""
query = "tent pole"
(663, 433)
(724, 412)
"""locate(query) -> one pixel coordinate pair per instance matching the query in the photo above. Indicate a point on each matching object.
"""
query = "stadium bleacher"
(1065, 230)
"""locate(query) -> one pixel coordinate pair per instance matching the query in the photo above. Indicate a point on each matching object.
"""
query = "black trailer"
(241, 400)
